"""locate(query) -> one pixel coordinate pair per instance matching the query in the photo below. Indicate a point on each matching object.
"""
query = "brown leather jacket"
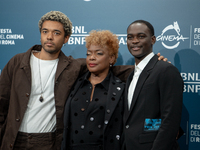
(15, 88)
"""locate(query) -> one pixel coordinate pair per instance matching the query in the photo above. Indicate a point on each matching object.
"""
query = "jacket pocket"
(147, 137)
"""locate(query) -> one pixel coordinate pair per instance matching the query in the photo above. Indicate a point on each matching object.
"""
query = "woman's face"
(98, 59)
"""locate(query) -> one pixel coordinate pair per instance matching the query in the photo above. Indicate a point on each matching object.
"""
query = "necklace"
(41, 99)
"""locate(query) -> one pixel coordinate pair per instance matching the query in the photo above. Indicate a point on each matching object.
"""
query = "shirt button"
(27, 94)
(113, 99)
(99, 126)
(117, 137)
(17, 119)
(30, 137)
(91, 119)
(82, 126)
(114, 94)
(106, 122)
(108, 111)
(127, 126)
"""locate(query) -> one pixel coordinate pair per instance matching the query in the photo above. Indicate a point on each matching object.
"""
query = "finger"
(165, 59)
(161, 57)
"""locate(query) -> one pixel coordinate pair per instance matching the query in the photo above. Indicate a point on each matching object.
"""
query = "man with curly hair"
(34, 87)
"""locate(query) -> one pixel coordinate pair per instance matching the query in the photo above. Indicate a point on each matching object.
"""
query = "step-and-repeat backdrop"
(177, 28)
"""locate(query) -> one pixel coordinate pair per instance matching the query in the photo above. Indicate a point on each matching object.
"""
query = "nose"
(92, 57)
(50, 36)
(135, 40)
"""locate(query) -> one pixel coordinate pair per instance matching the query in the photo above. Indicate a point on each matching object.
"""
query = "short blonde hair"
(104, 38)
(60, 17)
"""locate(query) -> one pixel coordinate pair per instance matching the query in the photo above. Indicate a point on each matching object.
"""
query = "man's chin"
(51, 51)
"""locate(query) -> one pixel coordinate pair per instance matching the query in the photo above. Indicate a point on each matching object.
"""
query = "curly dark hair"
(60, 17)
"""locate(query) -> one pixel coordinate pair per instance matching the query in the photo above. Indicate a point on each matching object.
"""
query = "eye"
(57, 33)
(87, 54)
(44, 31)
(129, 37)
(99, 53)
(141, 36)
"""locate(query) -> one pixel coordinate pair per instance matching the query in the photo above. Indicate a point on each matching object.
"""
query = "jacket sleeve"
(123, 71)
(5, 88)
(171, 93)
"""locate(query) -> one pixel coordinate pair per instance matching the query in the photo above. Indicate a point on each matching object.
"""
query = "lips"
(92, 64)
(136, 48)
(49, 43)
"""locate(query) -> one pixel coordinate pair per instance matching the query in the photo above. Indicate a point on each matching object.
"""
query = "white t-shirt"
(138, 69)
(40, 117)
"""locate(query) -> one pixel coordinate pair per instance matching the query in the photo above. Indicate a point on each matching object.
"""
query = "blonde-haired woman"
(94, 109)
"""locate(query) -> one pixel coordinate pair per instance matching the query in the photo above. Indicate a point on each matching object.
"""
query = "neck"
(46, 56)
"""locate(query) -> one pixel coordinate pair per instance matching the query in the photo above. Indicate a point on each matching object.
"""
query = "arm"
(171, 92)
(122, 72)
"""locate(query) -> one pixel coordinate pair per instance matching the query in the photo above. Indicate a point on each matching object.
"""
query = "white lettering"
(76, 40)
(170, 38)
(14, 36)
(191, 88)
(190, 76)
(78, 29)
(195, 126)
(197, 139)
(196, 36)
(122, 41)
(5, 31)
(2, 36)
(192, 139)
(196, 30)
(196, 42)
(195, 133)
(8, 42)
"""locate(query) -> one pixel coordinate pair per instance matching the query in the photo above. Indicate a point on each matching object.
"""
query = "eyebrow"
(95, 50)
(53, 30)
(137, 33)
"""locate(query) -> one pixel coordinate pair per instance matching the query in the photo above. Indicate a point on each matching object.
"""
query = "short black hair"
(149, 25)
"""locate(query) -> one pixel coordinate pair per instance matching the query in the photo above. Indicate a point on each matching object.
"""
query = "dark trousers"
(35, 141)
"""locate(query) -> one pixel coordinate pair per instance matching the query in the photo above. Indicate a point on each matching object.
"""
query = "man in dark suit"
(153, 95)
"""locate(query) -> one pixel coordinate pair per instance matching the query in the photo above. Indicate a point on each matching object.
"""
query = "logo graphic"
(79, 33)
(171, 38)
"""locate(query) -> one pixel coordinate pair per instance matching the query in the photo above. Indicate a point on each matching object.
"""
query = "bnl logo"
(173, 38)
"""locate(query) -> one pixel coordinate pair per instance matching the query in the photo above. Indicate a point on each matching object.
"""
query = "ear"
(112, 59)
(66, 39)
(153, 40)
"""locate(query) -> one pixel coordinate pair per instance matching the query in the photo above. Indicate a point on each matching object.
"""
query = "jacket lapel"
(115, 91)
(141, 81)
(126, 111)
(62, 64)
(25, 64)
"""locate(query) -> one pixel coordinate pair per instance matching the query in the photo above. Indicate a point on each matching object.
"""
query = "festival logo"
(171, 37)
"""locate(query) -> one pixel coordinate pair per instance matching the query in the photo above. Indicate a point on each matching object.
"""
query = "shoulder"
(116, 80)
(18, 58)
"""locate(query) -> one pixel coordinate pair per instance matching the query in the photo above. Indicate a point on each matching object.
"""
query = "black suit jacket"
(158, 95)
(112, 133)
